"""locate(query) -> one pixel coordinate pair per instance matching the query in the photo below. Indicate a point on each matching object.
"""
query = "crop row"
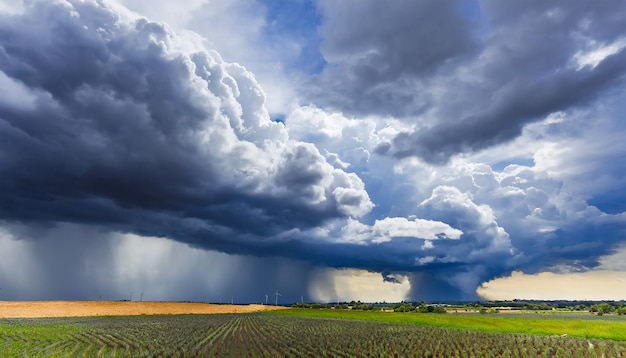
(262, 335)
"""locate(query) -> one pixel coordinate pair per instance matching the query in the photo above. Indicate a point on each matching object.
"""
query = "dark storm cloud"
(577, 245)
(113, 125)
(383, 41)
(376, 49)
(120, 128)
(120, 125)
(520, 102)
(467, 78)
(527, 82)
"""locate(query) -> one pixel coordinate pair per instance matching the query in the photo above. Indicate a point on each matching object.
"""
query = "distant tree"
(439, 309)
(609, 308)
(404, 308)
(602, 308)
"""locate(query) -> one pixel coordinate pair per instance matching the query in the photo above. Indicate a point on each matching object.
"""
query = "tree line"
(599, 308)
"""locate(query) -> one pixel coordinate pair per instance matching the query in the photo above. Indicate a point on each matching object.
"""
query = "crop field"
(579, 325)
(274, 335)
(36, 309)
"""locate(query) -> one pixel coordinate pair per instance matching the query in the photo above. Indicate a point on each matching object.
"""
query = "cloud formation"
(118, 125)
(437, 145)
(467, 75)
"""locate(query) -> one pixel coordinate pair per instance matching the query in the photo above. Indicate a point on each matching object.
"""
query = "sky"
(226, 150)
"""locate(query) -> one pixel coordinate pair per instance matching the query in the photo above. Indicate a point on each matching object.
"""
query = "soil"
(33, 309)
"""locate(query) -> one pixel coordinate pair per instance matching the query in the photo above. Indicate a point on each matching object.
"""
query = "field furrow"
(264, 335)
(260, 335)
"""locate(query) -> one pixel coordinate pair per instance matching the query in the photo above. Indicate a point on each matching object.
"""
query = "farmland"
(576, 325)
(272, 334)
(34, 309)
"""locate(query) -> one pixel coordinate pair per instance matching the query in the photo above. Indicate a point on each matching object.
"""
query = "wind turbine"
(277, 294)
(266, 296)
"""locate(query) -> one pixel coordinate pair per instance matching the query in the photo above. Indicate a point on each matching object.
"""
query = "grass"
(541, 325)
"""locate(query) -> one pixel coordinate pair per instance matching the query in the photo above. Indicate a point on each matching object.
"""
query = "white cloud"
(385, 230)
(450, 205)
(597, 53)
(425, 260)
(388, 228)
(219, 23)
(352, 140)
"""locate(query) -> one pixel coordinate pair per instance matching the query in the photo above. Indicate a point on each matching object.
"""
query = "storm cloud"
(439, 144)
(117, 126)
(466, 75)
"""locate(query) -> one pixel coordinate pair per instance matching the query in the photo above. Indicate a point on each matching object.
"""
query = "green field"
(279, 335)
(578, 325)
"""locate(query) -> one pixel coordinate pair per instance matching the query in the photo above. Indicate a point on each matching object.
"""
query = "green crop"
(581, 325)
(274, 335)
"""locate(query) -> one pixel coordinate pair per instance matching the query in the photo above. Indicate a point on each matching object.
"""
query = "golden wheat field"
(33, 309)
